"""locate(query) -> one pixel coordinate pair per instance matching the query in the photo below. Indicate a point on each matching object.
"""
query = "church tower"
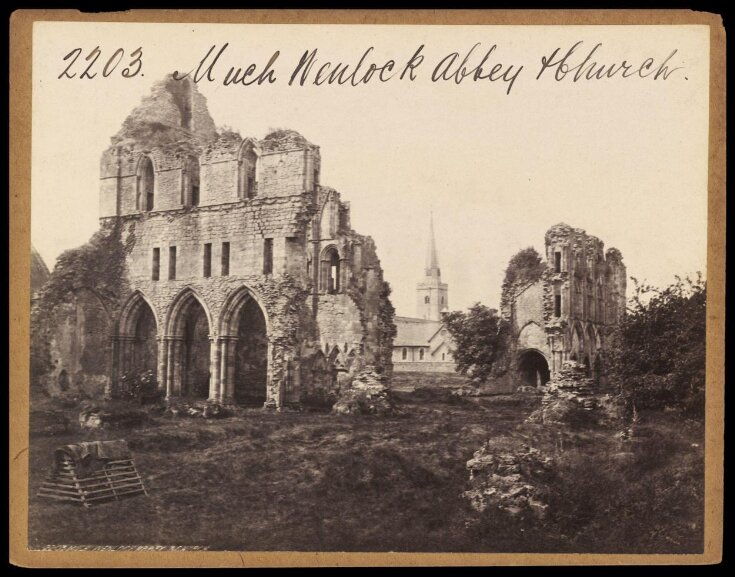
(431, 294)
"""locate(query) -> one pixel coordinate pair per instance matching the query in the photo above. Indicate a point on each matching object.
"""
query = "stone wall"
(310, 334)
(423, 367)
(575, 299)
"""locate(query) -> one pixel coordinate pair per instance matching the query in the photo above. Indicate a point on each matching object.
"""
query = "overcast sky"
(625, 159)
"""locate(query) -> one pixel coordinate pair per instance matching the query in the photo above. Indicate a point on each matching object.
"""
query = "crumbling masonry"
(569, 310)
(240, 278)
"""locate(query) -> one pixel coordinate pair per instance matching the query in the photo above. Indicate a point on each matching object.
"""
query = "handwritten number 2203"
(133, 67)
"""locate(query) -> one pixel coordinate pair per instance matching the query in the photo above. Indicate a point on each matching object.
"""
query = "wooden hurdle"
(116, 480)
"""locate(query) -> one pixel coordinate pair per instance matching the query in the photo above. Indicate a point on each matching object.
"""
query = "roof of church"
(412, 332)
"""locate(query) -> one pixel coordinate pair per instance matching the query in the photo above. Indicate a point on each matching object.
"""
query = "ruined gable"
(231, 285)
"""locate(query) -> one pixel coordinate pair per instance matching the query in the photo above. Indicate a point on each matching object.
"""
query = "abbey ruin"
(223, 268)
(566, 308)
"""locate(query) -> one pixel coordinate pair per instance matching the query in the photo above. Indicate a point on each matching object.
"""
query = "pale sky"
(625, 159)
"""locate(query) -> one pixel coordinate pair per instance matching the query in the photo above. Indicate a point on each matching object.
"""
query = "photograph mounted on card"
(309, 290)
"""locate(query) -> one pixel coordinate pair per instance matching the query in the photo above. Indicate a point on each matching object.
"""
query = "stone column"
(178, 350)
(229, 357)
(215, 368)
(168, 344)
(161, 364)
(215, 380)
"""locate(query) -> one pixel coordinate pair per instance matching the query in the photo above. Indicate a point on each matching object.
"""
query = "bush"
(657, 354)
(481, 340)
(138, 387)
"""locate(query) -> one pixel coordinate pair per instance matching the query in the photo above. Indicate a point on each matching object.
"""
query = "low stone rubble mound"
(203, 410)
(570, 398)
(110, 415)
(368, 394)
(505, 480)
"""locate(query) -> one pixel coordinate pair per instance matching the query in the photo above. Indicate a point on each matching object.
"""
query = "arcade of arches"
(188, 360)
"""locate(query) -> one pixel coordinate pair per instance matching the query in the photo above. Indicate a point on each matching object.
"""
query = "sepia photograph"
(411, 287)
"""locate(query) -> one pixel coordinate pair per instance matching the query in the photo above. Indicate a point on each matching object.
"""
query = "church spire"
(432, 261)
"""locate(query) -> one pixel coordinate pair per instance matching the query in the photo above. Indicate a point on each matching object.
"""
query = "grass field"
(315, 481)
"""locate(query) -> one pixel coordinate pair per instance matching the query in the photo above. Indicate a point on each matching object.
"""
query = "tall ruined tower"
(431, 294)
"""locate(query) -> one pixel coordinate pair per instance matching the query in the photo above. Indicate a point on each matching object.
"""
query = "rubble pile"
(367, 395)
(204, 409)
(504, 480)
(570, 398)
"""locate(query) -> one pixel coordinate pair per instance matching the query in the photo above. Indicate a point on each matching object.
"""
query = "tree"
(657, 353)
(525, 266)
(481, 340)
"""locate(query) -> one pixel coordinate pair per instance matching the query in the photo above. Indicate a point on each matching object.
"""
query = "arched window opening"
(421, 354)
(404, 353)
(190, 192)
(247, 173)
(427, 300)
(331, 271)
(146, 184)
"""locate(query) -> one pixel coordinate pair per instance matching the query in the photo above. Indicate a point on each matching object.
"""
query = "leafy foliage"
(481, 338)
(98, 265)
(657, 354)
(525, 266)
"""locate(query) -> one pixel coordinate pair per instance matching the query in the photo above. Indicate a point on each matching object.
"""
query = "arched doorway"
(533, 368)
(145, 350)
(245, 350)
(189, 349)
(251, 356)
(195, 370)
(138, 343)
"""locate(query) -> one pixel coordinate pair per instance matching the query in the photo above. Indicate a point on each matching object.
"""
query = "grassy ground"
(306, 481)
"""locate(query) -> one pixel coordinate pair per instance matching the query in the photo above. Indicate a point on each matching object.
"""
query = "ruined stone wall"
(73, 318)
(578, 297)
(171, 127)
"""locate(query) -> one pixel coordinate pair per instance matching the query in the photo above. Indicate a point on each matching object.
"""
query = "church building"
(422, 343)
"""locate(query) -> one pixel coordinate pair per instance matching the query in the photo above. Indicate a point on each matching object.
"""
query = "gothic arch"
(533, 367)
(138, 336)
(145, 172)
(178, 308)
(577, 343)
(190, 182)
(232, 307)
(330, 264)
(245, 348)
(189, 328)
(131, 310)
(248, 169)
(329, 216)
(532, 335)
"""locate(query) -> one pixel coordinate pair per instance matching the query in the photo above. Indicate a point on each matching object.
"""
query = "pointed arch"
(533, 367)
(244, 329)
(145, 183)
(138, 331)
(233, 306)
(248, 169)
(330, 281)
(188, 331)
(179, 307)
(131, 311)
(190, 182)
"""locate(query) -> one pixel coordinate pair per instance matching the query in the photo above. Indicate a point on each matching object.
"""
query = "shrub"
(657, 353)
